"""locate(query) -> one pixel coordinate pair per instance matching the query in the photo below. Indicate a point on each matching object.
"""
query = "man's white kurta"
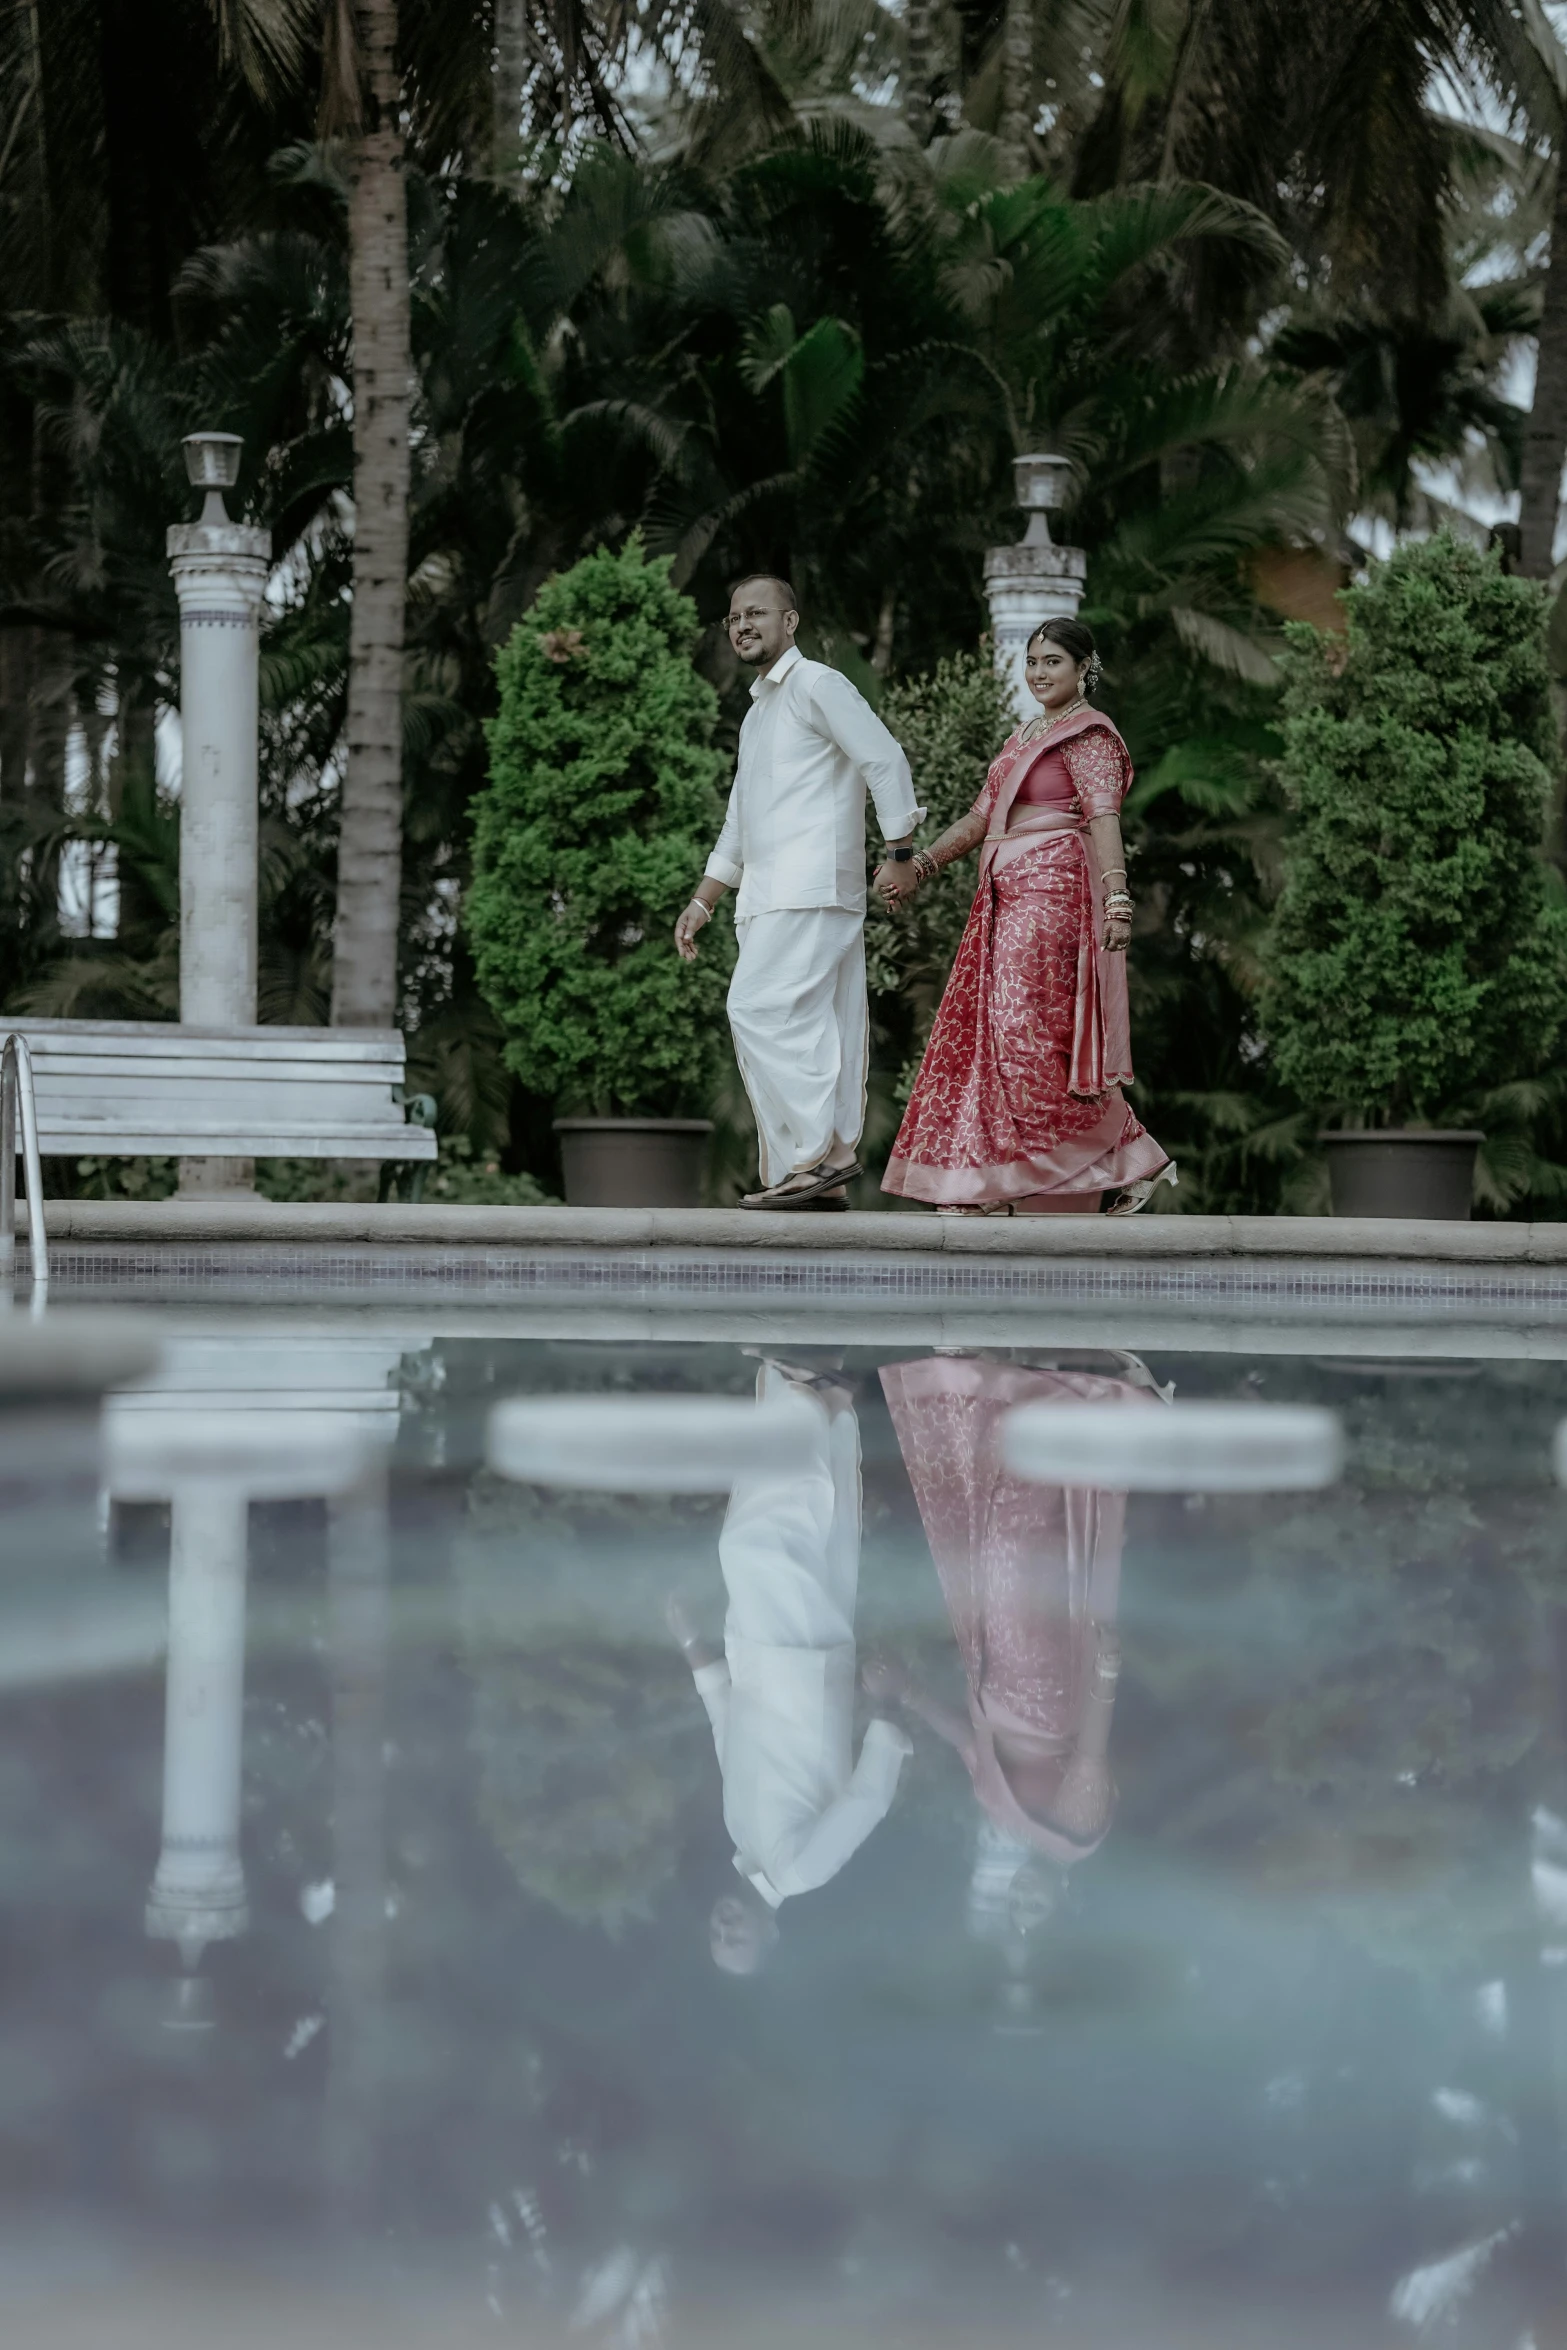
(793, 843)
(781, 1704)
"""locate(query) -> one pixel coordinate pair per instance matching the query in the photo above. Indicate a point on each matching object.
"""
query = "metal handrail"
(16, 1090)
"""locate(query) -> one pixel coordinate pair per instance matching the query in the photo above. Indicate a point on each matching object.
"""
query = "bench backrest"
(125, 1087)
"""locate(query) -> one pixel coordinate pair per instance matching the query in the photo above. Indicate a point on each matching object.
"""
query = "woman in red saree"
(1031, 1575)
(1018, 1104)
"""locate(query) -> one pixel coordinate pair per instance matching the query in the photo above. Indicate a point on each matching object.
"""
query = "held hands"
(883, 1682)
(692, 922)
(896, 883)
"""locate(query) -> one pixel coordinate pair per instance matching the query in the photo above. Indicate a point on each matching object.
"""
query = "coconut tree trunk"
(917, 68)
(369, 858)
(1017, 79)
(510, 73)
(14, 647)
(1545, 436)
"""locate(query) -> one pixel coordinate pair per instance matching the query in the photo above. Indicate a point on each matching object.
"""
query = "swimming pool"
(1186, 1963)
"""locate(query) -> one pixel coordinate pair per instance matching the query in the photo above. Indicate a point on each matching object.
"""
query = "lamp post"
(1035, 580)
(220, 575)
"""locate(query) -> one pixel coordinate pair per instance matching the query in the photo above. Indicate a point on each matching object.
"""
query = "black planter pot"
(633, 1162)
(1414, 1171)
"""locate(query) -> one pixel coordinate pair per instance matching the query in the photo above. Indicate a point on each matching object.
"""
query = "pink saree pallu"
(1019, 1096)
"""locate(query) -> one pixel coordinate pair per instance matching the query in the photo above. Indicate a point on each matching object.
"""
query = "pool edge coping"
(1104, 1241)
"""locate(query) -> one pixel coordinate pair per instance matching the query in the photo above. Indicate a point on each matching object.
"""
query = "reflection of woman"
(1018, 1103)
(1031, 1576)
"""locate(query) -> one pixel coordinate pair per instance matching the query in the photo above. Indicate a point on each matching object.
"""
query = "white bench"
(134, 1088)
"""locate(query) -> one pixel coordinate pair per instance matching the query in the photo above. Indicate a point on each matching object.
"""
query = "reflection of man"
(781, 1697)
(794, 841)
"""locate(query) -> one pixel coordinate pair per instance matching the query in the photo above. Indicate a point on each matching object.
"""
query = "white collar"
(778, 672)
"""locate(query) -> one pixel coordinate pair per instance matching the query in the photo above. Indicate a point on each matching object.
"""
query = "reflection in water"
(781, 1696)
(356, 2054)
(198, 1893)
(1031, 1575)
(1296, 2054)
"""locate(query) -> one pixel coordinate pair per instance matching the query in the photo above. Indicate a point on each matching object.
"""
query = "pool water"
(1153, 1920)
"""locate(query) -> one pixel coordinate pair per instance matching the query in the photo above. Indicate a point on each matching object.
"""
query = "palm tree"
(1423, 393)
(367, 97)
(1017, 61)
(561, 52)
(362, 102)
(1545, 434)
(1321, 118)
(121, 145)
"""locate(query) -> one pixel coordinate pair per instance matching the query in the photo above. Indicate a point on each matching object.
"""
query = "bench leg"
(402, 1179)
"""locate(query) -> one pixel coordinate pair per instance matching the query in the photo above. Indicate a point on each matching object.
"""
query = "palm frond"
(1226, 646)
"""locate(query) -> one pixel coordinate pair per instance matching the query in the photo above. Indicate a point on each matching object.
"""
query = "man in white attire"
(794, 842)
(780, 1697)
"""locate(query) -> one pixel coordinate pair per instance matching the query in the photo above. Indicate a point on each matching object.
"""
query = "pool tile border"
(281, 1271)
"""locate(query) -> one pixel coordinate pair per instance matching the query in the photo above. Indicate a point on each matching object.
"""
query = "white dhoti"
(801, 1020)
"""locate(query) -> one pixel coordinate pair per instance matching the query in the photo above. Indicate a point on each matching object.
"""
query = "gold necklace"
(1045, 721)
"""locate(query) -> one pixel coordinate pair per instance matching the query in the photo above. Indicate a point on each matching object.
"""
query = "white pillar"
(198, 1894)
(220, 575)
(1034, 580)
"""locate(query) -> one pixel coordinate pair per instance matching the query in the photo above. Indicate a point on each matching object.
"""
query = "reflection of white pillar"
(225, 1422)
(356, 1999)
(198, 1894)
(220, 575)
(1034, 580)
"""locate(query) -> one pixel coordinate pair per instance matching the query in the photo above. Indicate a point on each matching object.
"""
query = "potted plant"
(600, 811)
(1415, 962)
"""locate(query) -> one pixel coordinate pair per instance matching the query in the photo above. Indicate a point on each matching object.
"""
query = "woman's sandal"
(1000, 1207)
(1133, 1196)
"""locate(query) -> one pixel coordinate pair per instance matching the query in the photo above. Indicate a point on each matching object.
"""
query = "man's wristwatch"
(901, 856)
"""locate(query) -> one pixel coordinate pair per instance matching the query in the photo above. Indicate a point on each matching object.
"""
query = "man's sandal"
(805, 1190)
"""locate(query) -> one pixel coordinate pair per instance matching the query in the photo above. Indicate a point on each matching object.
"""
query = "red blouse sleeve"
(1095, 762)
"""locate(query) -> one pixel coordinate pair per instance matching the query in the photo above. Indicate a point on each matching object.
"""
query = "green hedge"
(602, 806)
(1417, 954)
